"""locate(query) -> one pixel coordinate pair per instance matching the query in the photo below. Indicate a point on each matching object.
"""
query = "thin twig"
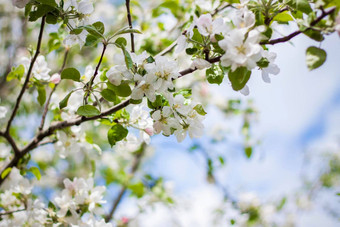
(292, 35)
(127, 3)
(136, 162)
(27, 76)
(11, 212)
(43, 118)
(98, 65)
(217, 10)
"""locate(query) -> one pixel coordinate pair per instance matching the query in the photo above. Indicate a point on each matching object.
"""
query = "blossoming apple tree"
(120, 76)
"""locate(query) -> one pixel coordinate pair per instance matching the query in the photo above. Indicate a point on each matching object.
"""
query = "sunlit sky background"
(298, 111)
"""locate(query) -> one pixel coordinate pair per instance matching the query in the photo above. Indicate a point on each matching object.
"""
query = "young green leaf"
(315, 57)
(88, 111)
(63, 103)
(248, 151)
(303, 5)
(71, 74)
(213, 77)
(123, 90)
(41, 95)
(16, 73)
(199, 109)
(239, 78)
(108, 94)
(36, 172)
(116, 133)
(6, 172)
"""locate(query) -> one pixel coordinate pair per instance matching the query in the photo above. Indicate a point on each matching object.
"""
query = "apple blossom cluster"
(17, 199)
(237, 39)
(80, 198)
(172, 113)
(77, 205)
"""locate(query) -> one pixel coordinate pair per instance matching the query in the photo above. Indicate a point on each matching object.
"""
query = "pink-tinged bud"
(55, 78)
(149, 131)
(125, 220)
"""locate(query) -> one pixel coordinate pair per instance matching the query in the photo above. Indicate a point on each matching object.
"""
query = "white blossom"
(165, 71)
(239, 52)
(271, 68)
(145, 86)
(73, 39)
(117, 73)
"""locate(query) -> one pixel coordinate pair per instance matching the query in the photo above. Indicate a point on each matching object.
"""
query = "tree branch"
(127, 3)
(136, 162)
(292, 35)
(10, 212)
(27, 76)
(98, 65)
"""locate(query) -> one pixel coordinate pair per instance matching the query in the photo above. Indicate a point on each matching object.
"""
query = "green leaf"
(282, 203)
(99, 26)
(213, 76)
(121, 41)
(137, 189)
(123, 90)
(133, 101)
(283, 18)
(248, 151)
(51, 18)
(16, 73)
(6, 172)
(239, 78)
(191, 51)
(116, 133)
(63, 103)
(88, 111)
(314, 34)
(91, 40)
(41, 95)
(48, 2)
(108, 94)
(303, 6)
(40, 11)
(263, 63)
(127, 30)
(51, 206)
(315, 57)
(157, 103)
(71, 73)
(36, 172)
(197, 36)
(199, 109)
(221, 159)
(128, 59)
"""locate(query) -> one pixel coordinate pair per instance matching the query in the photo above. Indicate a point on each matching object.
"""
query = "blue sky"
(296, 111)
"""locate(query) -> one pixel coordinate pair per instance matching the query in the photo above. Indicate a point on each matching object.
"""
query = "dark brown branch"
(11, 141)
(127, 3)
(43, 118)
(292, 35)
(27, 76)
(136, 162)
(98, 65)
